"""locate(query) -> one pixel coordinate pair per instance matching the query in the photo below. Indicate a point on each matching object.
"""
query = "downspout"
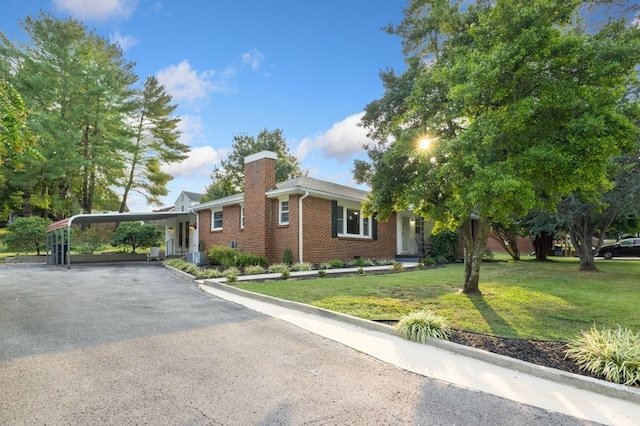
(300, 226)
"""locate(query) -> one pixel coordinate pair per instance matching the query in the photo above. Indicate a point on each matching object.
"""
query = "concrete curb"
(575, 380)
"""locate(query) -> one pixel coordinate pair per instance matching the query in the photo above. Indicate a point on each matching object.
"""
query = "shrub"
(613, 354)
(278, 268)
(428, 260)
(397, 267)
(488, 255)
(135, 235)
(423, 325)
(445, 244)
(227, 256)
(322, 273)
(285, 275)
(287, 257)
(254, 270)
(27, 234)
(304, 266)
(248, 259)
(231, 273)
(384, 262)
(360, 271)
(360, 262)
(91, 239)
(208, 273)
(221, 255)
(336, 263)
(441, 260)
(325, 265)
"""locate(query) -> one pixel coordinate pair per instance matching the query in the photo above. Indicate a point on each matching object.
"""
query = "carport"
(58, 237)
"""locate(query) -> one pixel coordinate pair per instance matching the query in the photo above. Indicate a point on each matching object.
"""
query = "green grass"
(526, 299)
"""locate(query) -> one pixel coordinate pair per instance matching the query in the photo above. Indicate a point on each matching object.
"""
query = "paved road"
(134, 344)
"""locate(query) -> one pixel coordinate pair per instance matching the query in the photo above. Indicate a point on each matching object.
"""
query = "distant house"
(315, 219)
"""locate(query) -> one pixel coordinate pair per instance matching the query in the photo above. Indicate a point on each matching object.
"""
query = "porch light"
(171, 229)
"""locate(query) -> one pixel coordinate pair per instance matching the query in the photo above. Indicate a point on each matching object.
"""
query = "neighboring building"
(315, 219)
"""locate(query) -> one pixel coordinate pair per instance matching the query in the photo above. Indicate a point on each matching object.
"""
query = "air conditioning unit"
(197, 257)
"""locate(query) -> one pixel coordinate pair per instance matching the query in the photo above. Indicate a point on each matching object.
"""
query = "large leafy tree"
(27, 234)
(522, 106)
(98, 135)
(228, 178)
(588, 220)
(154, 142)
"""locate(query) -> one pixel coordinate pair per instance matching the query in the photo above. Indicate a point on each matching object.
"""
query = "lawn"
(525, 299)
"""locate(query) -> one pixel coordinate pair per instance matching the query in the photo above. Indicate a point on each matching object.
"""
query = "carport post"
(68, 246)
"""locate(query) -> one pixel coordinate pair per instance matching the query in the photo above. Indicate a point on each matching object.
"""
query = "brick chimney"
(259, 177)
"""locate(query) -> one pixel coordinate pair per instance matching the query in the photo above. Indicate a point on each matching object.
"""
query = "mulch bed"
(541, 352)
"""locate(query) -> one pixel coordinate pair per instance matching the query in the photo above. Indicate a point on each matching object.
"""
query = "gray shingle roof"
(305, 183)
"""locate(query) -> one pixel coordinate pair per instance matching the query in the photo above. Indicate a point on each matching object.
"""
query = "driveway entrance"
(134, 344)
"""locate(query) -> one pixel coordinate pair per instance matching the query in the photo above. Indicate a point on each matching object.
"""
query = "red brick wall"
(230, 228)
(259, 176)
(285, 236)
(320, 247)
(525, 246)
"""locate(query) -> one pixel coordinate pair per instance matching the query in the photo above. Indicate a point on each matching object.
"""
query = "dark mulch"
(541, 352)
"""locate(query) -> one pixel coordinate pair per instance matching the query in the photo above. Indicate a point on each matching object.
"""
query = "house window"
(216, 220)
(241, 217)
(353, 221)
(284, 212)
(350, 221)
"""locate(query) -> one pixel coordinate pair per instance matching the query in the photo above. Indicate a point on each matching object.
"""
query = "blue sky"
(237, 67)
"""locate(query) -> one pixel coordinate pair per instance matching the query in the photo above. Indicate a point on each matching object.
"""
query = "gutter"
(300, 241)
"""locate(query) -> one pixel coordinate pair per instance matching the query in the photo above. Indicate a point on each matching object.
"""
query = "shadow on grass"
(497, 324)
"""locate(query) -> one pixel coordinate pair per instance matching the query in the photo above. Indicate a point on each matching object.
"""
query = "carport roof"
(113, 217)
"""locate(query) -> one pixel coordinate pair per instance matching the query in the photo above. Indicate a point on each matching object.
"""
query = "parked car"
(623, 248)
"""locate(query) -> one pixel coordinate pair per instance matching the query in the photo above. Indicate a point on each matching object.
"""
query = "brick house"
(315, 219)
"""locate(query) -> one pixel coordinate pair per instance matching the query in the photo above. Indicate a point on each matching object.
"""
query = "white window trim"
(361, 231)
(213, 213)
(280, 211)
(241, 216)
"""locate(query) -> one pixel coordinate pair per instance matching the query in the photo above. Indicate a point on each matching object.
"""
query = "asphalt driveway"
(134, 344)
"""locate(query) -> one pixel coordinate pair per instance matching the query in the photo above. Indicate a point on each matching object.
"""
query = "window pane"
(353, 221)
(284, 212)
(365, 226)
(217, 220)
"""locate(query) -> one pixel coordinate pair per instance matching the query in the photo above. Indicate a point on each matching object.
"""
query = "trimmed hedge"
(227, 256)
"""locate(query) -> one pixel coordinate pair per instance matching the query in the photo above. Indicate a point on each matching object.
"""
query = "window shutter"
(374, 228)
(334, 219)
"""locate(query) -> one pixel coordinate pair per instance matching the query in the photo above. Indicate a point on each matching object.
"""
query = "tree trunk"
(541, 243)
(475, 233)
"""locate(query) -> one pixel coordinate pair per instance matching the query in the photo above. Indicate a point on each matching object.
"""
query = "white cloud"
(199, 164)
(184, 83)
(190, 127)
(125, 42)
(340, 142)
(97, 9)
(253, 58)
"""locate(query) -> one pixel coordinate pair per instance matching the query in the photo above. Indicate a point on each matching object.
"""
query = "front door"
(406, 235)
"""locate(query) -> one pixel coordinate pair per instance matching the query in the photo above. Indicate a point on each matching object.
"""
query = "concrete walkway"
(550, 389)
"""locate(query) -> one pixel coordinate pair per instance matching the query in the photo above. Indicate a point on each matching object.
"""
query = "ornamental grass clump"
(254, 270)
(423, 325)
(304, 266)
(611, 353)
(278, 268)
(231, 274)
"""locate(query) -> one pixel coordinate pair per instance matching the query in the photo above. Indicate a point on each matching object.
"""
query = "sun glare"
(425, 143)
